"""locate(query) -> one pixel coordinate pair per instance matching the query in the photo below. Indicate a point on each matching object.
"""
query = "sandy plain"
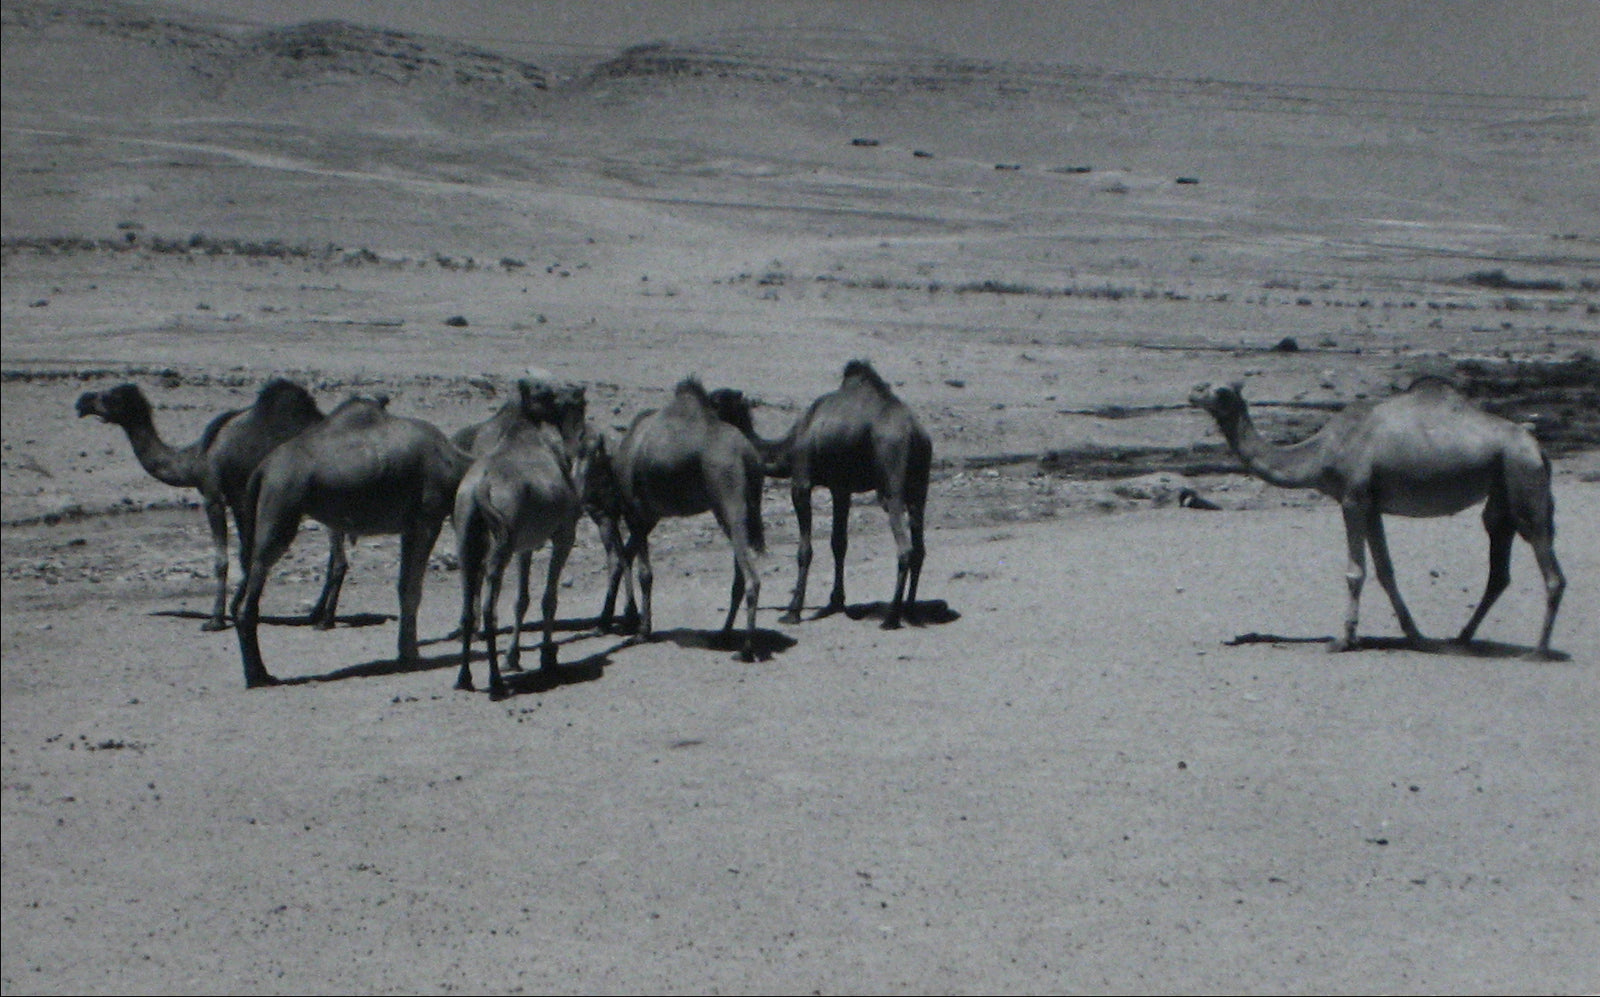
(1071, 778)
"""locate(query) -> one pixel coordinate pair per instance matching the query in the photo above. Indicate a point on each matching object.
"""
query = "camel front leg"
(1555, 583)
(841, 546)
(277, 533)
(896, 509)
(324, 614)
(1355, 531)
(1379, 544)
(217, 519)
(801, 495)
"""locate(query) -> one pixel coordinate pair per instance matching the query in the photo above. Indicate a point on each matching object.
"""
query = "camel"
(683, 460)
(601, 499)
(856, 439)
(521, 492)
(361, 471)
(1425, 452)
(219, 465)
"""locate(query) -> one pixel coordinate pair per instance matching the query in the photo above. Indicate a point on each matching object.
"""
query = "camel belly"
(1442, 495)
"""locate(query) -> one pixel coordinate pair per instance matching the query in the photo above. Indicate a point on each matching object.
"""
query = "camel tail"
(752, 515)
(245, 517)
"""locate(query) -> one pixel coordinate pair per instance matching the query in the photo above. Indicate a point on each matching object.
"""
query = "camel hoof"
(497, 692)
(261, 681)
(547, 658)
(465, 685)
(1339, 645)
(322, 624)
(791, 617)
(213, 625)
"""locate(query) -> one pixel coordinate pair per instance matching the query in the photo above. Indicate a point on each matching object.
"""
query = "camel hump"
(690, 396)
(282, 399)
(1434, 384)
(861, 372)
(358, 410)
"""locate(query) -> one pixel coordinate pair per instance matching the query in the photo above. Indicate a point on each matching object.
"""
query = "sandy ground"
(1070, 777)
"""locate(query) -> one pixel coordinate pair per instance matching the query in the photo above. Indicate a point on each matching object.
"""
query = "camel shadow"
(586, 669)
(1442, 647)
(927, 612)
(382, 666)
(764, 644)
(580, 626)
(343, 620)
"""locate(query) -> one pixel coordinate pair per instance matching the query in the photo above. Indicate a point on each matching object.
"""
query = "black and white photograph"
(800, 496)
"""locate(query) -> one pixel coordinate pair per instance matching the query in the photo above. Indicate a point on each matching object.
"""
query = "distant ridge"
(215, 50)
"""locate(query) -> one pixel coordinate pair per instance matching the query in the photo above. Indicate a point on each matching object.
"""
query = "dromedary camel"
(856, 439)
(683, 460)
(361, 471)
(519, 494)
(219, 465)
(1425, 452)
(601, 498)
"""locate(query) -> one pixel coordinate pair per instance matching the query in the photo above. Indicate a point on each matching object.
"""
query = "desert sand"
(1072, 775)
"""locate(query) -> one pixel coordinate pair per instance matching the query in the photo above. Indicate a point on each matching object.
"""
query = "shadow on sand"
(930, 612)
(1449, 648)
(344, 620)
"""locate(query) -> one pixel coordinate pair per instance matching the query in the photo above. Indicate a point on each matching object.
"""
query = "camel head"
(598, 476)
(733, 408)
(1225, 402)
(560, 405)
(123, 405)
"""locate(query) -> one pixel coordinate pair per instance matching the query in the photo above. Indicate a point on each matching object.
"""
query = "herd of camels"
(527, 476)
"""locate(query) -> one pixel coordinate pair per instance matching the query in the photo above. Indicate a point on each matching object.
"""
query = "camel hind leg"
(801, 495)
(1502, 531)
(324, 614)
(416, 543)
(499, 557)
(560, 547)
(1527, 509)
(271, 535)
(744, 537)
(471, 546)
(524, 599)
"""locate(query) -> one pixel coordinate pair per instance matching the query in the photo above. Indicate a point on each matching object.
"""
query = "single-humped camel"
(856, 439)
(518, 495)
(361, 471)
(219, 465)
(1425, 452)
(601, 498)
(683, 460)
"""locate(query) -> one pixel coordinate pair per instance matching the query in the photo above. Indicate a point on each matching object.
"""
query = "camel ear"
(1237, 387)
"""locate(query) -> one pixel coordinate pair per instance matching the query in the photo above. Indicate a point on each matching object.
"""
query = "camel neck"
(777, 456)
(161, 461)
(1298, 465)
